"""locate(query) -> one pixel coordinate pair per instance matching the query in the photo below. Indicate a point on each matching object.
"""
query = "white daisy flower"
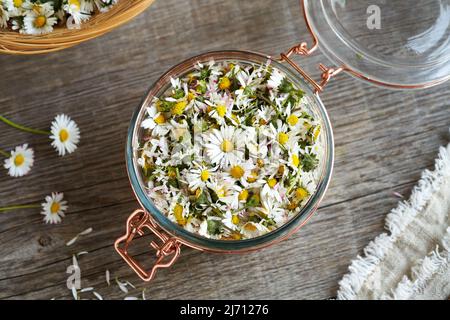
(293, 117)
(179, 210)
(230, 220)
(39, 19)
(65, 134)
(87, 6)
(4, 17)
(199, 176)
(240, 172)
(294, 158)
(156, 122)
(221, 108)
(176, 83)
(105, 5)
(53, 208)
(20, 161)
(223, 190)
(272, 210)
(252, 230)
(225, 147)
(264, 115)
(281, 137)
(15, 7)
(275, 79)
(272, 190)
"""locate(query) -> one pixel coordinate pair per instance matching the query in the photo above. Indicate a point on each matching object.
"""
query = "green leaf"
(254, 201)
(214, 226)
(285, 86)
(309, 162)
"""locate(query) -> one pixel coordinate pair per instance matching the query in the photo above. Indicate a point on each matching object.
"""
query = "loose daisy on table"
(38, 17)
(230, 151)
(19, 161)
(53, 207)
(65, 134)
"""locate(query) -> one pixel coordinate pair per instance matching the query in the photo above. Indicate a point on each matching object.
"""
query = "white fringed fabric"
(411, 260)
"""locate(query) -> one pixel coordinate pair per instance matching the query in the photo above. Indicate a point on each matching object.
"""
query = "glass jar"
(324, 19)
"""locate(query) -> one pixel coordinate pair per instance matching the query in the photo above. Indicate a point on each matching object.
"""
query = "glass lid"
(395, 43)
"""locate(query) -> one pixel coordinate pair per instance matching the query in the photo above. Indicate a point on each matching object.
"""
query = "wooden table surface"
(384, 139)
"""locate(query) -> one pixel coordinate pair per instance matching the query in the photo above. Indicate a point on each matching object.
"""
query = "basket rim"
(13, 42)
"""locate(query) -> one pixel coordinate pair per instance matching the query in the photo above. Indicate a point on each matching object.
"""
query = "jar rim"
(197, 241)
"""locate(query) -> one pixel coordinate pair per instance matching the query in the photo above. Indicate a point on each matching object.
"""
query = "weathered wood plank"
(384, 139)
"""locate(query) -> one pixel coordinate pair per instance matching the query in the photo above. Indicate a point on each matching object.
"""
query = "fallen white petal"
(108, 278)
(85, 232)
(97, 295)
(72, 241)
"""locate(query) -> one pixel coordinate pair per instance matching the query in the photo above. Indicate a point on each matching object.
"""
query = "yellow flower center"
(221, 192)
(295, 160)
(18, 3)
(292, 205)
(283, 138)
(250, 227)
(63, 135)
(235, 118)
(190, 96)
(227, 146)
(301, 193)
(260, 163)
(54, 208)
(316, 133)
(236, 236)
(272, 182)
(235, 219)
(178, 213)
(204, 175)
(243, 195)
(252, 178)
(160, 119)
(19, 160)
(237, 172)
(172, 173)
(75, 3)
(179, 107)
(40, 21)
(224, 83)
(221, 110)
(292, 119)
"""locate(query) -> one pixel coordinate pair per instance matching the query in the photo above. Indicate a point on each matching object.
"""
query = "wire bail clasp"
(303, 49)
(167, 248)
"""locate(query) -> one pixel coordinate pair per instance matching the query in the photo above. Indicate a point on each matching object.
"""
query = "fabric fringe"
(426, 269)
(396, 222)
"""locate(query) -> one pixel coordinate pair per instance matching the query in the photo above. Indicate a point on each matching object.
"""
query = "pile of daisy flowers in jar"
(41, 16)
(230, 150)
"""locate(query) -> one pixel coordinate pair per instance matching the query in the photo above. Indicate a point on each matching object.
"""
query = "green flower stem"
(23, 128)
(4, 153)
(16, 207)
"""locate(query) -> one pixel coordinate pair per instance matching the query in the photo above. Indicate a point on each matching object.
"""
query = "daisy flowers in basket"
(41, 16)
(230, 151)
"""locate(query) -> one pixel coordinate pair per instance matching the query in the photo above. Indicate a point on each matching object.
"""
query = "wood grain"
(384, 139)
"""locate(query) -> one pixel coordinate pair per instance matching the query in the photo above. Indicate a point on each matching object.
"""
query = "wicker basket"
(13, 42)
